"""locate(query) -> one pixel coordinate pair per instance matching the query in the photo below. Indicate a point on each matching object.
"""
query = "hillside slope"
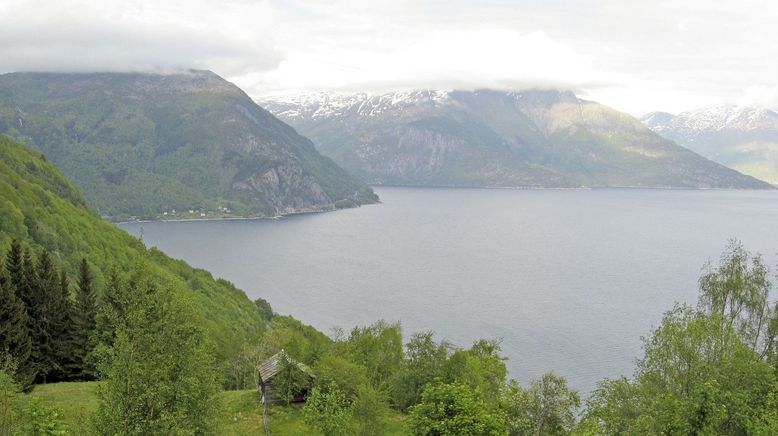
(743, 138)
(146, 144)
(40, 206)
(495, 138)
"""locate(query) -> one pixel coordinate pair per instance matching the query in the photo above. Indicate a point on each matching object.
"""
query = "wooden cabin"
(270, 368)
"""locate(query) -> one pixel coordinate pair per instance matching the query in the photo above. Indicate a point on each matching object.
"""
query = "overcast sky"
(634, 55)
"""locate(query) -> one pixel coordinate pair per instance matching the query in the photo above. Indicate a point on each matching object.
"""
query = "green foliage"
(736, 292)
(481, 367)
(370, 412)
(9, 420)
(161, 378)
(143, 144)
(453, 409)
(15, 339)
(327, 410)
(424, 363)
(84, 320)
(378, 348)
(290, 379)
(41, 419)
(266, 312)
(51, 214)
(43, 306)
(705, 371)
(303, 342)
(242, 367)
(548, 407)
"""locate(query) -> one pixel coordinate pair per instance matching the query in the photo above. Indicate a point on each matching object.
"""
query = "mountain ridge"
(143, 144)
(741, 137)
(489, 138)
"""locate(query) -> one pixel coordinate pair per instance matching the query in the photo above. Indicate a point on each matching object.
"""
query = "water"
(569, 279)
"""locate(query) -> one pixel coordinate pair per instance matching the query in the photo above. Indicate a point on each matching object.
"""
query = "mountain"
(39, 206)
(146, 144)
(489, 138)
(743, 138)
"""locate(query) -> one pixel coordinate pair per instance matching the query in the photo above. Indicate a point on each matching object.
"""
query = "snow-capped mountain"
(320, 105)
(743, 138)
(533, 138)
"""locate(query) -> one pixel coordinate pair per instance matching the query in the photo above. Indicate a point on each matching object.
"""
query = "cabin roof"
(269, 368)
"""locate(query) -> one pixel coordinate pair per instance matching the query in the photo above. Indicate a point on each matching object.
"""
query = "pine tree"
(14, 332)
(83, 317)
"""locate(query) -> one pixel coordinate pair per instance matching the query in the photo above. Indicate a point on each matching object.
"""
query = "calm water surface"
(569, 280)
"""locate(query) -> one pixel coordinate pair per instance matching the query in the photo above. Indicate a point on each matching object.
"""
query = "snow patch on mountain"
(721, 118)
(321, 105)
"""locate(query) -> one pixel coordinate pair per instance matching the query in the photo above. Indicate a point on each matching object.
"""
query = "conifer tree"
(14, 332)
(42, 302)
(16, 269)
(83, 320)
(62, 332)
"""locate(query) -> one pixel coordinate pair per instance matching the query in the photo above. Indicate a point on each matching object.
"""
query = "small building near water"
(270, 368)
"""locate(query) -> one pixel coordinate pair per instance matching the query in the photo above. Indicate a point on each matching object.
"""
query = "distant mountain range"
(145, 145)
(490, 138)
(743, 138)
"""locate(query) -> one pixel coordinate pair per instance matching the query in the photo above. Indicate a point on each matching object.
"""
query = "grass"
(241, 411)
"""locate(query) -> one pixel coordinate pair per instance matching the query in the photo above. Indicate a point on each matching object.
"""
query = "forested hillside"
(47, 213)
(186, 145)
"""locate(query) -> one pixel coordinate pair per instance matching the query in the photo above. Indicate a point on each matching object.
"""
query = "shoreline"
(509, 188)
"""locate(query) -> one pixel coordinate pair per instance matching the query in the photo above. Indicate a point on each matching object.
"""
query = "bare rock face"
(487, 138)
(287, 190)
(144, 144)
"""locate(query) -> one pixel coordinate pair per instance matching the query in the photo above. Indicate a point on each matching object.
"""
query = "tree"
(424, 362)
(16, 267)
(379, 349)
(369, 411)
(42, 306)
(84, 312)
(548, 407)
(328, 411)
(737, 293)
(690, 383)
(160, 375)
(62, 333)
(453, 409)
(687, 383)
(14, 331)
(481, 367)
(615, 408)
(290, 378)
(266, 312)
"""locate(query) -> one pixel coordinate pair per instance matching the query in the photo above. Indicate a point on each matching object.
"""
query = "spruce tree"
(43, 302)
(20, 274)
(83, 316)
(16, 267)
(62, 332)
(14, 332)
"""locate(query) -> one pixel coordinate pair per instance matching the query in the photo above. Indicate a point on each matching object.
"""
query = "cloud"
(443, 58)
(111, 35)
(634, 55)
